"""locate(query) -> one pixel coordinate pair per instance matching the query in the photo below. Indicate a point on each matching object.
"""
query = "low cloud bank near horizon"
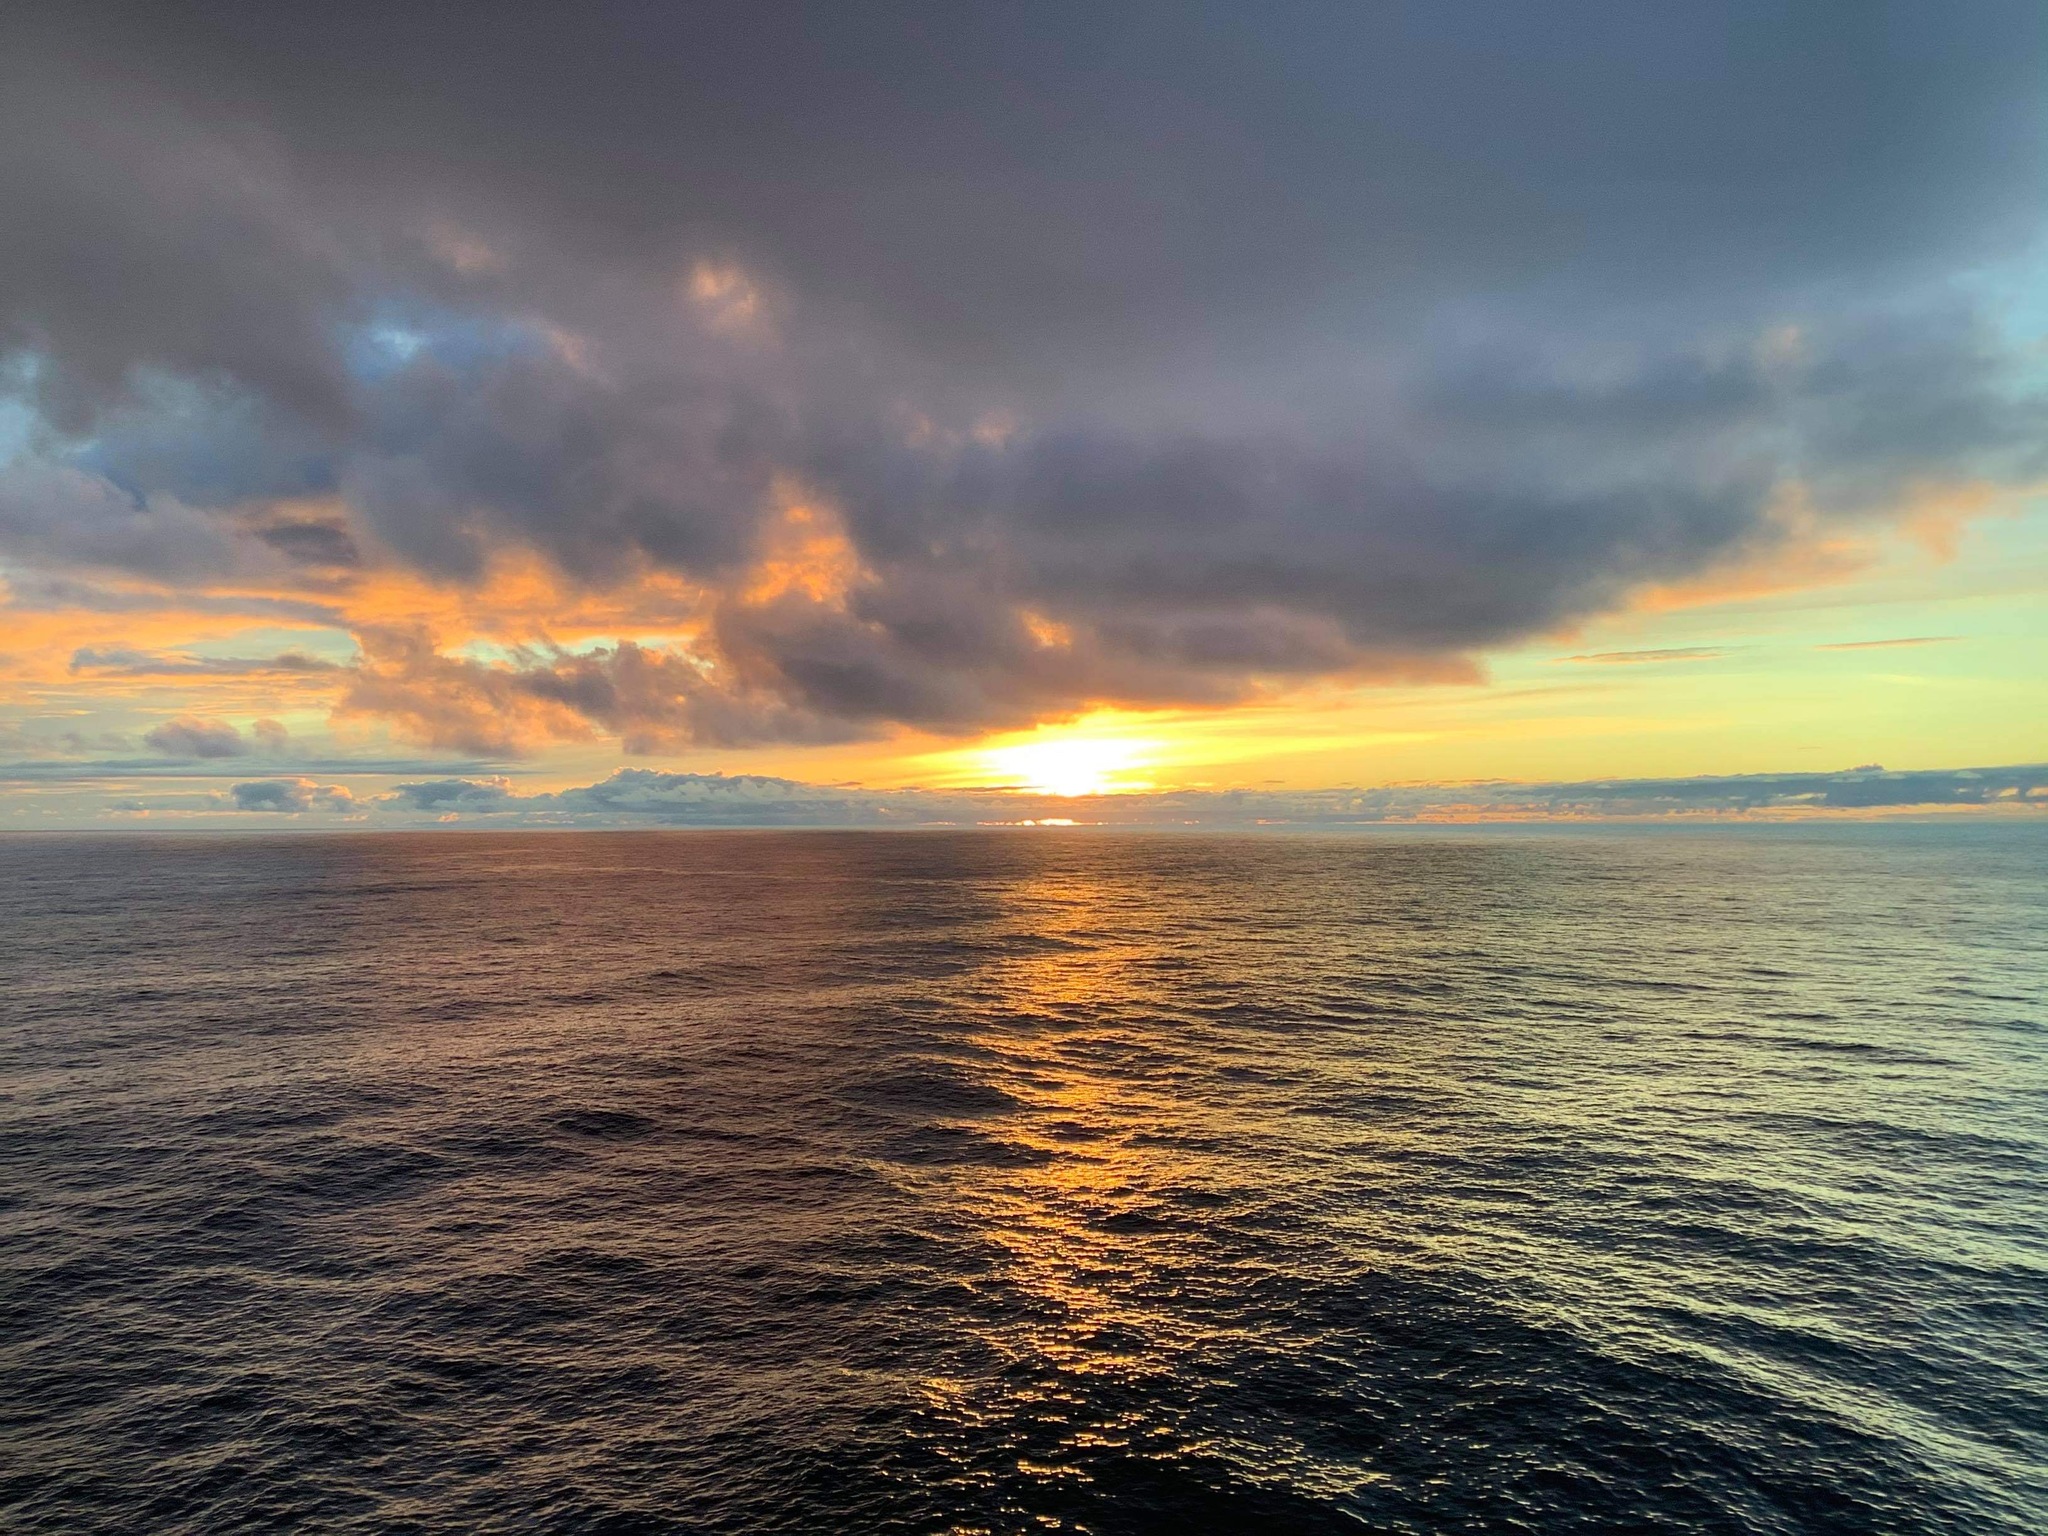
(802, 373)
(646, 797)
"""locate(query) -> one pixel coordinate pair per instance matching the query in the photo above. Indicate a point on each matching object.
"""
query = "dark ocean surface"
(1641, 1181)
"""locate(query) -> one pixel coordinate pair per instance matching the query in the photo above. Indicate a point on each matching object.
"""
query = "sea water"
(1592, 1180)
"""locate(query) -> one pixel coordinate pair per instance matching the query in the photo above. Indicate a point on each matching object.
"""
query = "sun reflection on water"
(1113, 1203)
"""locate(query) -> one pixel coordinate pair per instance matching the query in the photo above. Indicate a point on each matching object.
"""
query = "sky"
(958, 412)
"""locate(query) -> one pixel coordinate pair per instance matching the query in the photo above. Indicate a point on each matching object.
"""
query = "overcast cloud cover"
(959, 366)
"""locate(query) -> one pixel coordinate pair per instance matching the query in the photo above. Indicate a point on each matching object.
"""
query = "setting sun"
(1051, 764)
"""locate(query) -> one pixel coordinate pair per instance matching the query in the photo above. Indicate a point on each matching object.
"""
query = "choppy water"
(1054, 1182)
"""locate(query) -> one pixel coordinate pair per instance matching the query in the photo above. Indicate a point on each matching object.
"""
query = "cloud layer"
(954, 367)
(643, 797)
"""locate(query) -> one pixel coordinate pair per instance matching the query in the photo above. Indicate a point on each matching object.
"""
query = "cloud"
(189, 736)
(1282, 346)
(66, 516)
(1639, 658)
(124, 662)
(114, 770)
(1878, 645)
(16, 737)
(47, 592)
(442, 796)
(312, 543)
(638, 796)
(651, 699)
(290, 796)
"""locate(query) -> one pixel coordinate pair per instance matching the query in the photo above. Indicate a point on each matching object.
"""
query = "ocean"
(1597, 1179)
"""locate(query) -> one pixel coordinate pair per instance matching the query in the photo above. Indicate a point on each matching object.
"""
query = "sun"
(1069, 766)
(1105, 752)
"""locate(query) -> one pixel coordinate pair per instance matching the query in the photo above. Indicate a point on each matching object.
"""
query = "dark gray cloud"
(1002, 184)
(190, 736)
(1228, 345)
(638, 796)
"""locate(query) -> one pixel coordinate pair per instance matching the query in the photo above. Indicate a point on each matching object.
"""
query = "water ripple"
(1633, 1182)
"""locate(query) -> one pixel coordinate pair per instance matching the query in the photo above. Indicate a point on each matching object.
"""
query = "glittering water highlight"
(1644, 1181)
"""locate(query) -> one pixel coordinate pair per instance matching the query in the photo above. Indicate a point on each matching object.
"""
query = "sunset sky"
(1078, 399)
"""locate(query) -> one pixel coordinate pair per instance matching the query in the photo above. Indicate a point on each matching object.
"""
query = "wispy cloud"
(1644, 658)
(100, 771)
(134, 663)
(1880, 645)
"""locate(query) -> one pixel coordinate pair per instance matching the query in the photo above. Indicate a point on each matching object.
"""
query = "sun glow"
(1049, 763)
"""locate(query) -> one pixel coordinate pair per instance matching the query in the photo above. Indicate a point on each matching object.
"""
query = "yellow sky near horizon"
(1808, 677)
(1925, 654)
(1926, 657)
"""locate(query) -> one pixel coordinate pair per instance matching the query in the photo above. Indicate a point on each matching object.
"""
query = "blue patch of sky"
(18, 417)
(2012, 296)
(491, 653)
(17, 426)
(205, 444)
(397, 337)
(337, 646)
